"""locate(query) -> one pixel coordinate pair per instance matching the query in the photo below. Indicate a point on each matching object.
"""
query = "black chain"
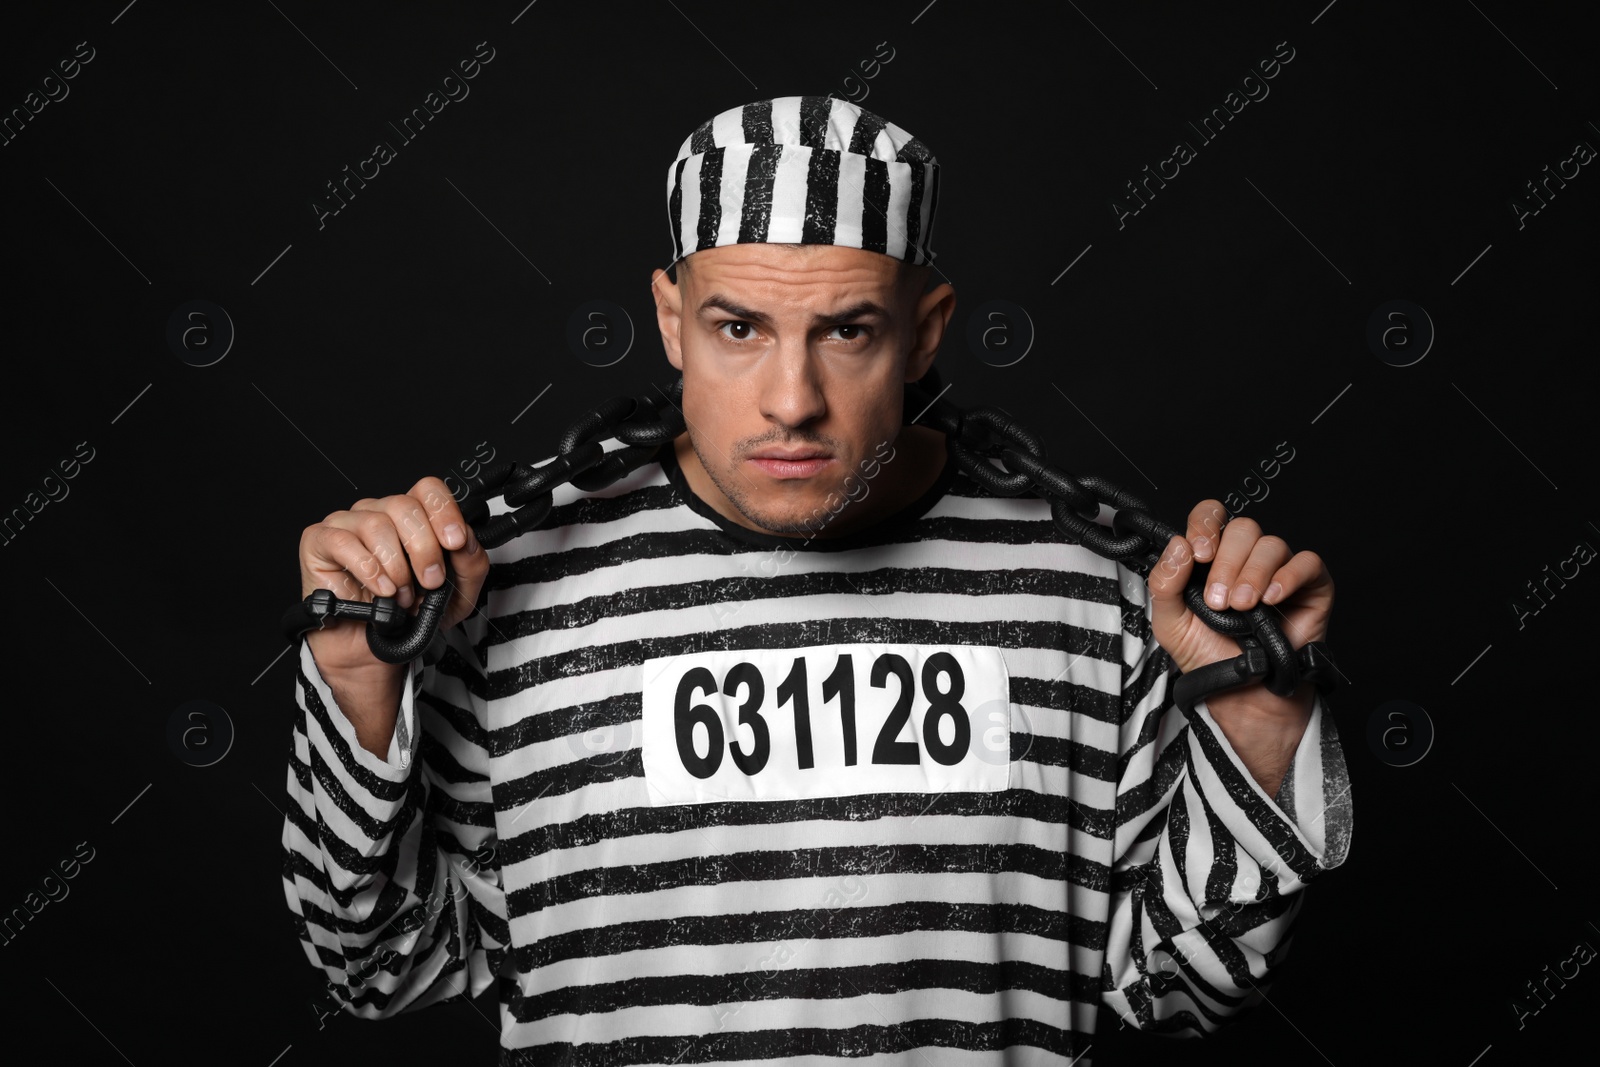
(977, 437)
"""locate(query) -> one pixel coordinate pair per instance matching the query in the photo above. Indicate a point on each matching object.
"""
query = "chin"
(787, 521)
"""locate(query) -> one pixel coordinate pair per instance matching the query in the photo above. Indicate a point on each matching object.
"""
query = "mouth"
(796, 463)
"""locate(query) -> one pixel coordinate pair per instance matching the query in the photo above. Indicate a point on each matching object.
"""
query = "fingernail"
(1242, 593)
(1217, 595)
(1274, 591)
(385, 586)
(472, 545)
(433, 576)
(453, 537)
(404, 596)
(1202, 545)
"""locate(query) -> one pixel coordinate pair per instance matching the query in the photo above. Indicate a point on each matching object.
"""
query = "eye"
(861, 332)
(736, 324)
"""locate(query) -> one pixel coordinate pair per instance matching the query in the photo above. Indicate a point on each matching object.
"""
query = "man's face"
(794, 359)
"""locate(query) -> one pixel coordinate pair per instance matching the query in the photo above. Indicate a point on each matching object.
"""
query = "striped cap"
(803, 170)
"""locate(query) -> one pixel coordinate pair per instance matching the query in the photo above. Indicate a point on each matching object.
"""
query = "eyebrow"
(860, 310)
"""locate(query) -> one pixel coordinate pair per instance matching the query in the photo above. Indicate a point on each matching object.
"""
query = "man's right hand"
(393, 546)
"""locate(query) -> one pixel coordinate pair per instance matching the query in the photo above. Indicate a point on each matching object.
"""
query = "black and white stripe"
(807, 170)
(1132, 862)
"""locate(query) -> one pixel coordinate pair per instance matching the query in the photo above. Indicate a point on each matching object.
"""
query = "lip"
(791, 457)
(802, 464)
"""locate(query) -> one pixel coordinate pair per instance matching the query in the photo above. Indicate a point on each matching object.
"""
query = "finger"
(1167, 580)
(1305, 572)
(323, 567)
(471, 564)
(1266, 556)
(426, 522)
(378, 530)
(468, 563)
(340, 560)
(1238, 538)
(375, 527)
(1205, 523)
(470, 567)
(424, 558)
(443, 512)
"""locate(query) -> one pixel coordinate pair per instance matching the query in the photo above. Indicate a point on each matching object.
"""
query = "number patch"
(827, 720)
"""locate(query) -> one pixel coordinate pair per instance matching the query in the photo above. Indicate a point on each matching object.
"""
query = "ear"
(928, 325)
(669, 315)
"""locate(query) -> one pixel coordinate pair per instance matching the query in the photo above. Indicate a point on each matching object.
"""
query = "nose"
(791, 387)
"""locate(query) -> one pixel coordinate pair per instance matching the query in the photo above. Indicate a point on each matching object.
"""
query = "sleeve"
(389, 865)
(1208, 872)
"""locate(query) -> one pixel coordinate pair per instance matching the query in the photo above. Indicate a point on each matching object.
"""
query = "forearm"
(1263, 728)
(369, 696)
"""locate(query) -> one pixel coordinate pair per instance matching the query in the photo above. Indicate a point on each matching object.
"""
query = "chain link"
(976, 438)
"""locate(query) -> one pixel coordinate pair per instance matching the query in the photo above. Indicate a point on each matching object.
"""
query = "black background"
(1227, 316)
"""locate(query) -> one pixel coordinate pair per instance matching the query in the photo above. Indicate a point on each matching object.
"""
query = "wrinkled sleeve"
(1209, 871)
(389, 865)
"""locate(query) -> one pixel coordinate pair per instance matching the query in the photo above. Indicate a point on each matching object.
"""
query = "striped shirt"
(693, 793)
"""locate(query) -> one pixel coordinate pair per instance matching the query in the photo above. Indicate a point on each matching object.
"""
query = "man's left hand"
(1246, 568)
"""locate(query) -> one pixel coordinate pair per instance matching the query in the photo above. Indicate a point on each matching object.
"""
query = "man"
(796, 742)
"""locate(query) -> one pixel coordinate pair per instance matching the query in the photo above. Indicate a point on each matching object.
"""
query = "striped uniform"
(1100, 847)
